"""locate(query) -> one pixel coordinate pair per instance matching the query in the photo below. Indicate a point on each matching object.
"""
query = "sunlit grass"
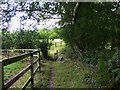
(13, 69)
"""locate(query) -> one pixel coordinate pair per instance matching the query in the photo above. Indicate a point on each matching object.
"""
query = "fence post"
(39, 61)
(1, 76)
(32, 71)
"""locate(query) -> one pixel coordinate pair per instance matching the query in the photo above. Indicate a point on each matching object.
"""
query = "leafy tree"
(7, 40)
(44, 42)
(54, 33)
(26, 39)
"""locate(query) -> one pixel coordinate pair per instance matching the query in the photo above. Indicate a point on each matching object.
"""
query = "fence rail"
(11, 81)
(10, 52)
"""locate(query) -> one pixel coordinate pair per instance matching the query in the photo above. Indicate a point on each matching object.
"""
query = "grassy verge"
(73, 73)
(69, 74)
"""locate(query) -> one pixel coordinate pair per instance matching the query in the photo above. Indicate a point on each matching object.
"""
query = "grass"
(73, 73)
(69, 74)
(14, 68)
(0, 57)
(42, 79)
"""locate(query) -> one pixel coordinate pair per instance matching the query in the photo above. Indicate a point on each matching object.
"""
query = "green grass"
(14, 68)
(42, 79)
(69, 74)
(73, 73)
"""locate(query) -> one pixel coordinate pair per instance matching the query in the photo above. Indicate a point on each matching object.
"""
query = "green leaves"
(95, 25)
(7, 40)
(95, 32)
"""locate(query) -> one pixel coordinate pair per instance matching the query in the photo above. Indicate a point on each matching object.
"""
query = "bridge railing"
(12, 80)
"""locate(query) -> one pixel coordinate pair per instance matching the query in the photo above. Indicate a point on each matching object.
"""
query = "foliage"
(114, 68)
(27, 39)
(98, 32)
(95, 32)
(54, 33)
(7, 40)
(95, 29)
(46, 40)
(30, 40)
(103, 78)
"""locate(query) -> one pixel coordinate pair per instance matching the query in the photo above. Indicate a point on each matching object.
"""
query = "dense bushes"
(114, 68)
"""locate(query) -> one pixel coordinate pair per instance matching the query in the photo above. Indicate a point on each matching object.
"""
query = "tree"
(7, 40)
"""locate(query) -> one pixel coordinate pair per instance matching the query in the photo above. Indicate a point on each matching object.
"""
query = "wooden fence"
(10, 52)
(11, 81)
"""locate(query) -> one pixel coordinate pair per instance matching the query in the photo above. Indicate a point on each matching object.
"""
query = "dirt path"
(51, 79)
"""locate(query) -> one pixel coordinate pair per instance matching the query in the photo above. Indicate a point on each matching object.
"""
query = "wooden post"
(1, 76)
(32, 71)
(39, 61)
